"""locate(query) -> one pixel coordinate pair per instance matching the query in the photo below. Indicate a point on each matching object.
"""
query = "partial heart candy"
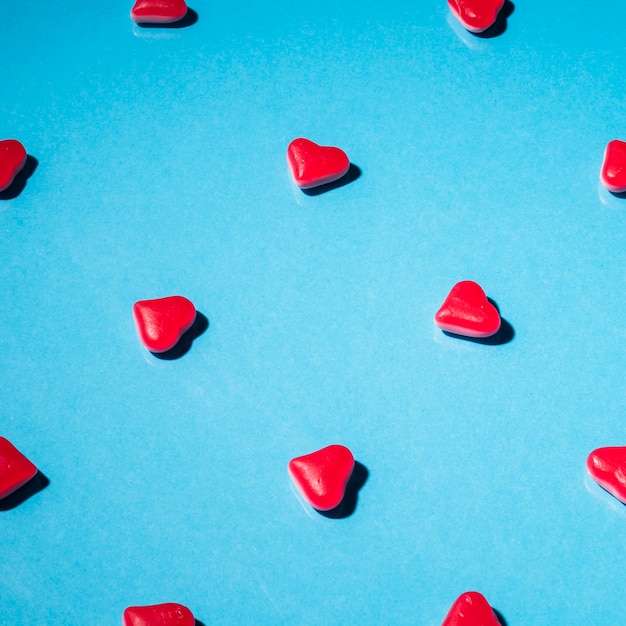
(613, 172)
(471, 609)
(158, 11)
(168, 614)
(312, 165)
(162, 322)
(607, 466)
(322, 476)
(15, 469)
(466, 311)
(12, 160)
(476, 15)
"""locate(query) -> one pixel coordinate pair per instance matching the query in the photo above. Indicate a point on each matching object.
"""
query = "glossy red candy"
(168, 614)
(158, 11)
(613, 172)
(476, 15)
(12, 160)
(607, 466)
(15, 469)
(466, 311)
(312, 165)
(471, 609)
(322, 476)
(162, 322)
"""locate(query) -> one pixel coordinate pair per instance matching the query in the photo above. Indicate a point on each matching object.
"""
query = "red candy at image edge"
(322, 476)
(167, 614)
(613, 172)
(466, 311)
(471, 609)
(163, 321)
(476, 15)
(607, 466)
(312, 165)
(12, 160)
(15, 469)
(158, 11)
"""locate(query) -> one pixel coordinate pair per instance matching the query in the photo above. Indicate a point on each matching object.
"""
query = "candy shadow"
(38, 482)
(499, 26)
(499, 617)
(189, 20)
(611, 199)
(354, 172)
(198, 623)
(506, 333)
(19, 182)
(184, 343)
(348, 504)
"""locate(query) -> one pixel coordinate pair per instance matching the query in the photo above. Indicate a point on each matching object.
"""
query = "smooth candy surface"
(476, 15)
(15, 469)
(312, 165)
(322, 476)
(12, 160)
(466, 311)
(471, 609)
(168, 614)
(607, 466)
(613, 172)
(158, 11)
(163, 321)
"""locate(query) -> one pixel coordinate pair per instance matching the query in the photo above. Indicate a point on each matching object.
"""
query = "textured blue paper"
(160, 169)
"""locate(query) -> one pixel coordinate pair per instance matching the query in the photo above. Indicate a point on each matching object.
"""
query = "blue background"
(160, 170)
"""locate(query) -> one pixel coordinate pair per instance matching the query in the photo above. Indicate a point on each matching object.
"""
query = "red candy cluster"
(321, 476)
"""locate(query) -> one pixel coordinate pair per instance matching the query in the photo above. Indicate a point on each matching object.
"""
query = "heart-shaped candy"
(607, 466)
(476, 15)
(312, 165)
(162, 322)
(322, 476)
(158, 11)
(12, 160)
(613, 172)
(471, 609)
(15, 469)
(168, 614)
(466, 311)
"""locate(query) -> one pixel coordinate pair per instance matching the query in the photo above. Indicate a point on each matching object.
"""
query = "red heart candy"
(162, 322)
(466, 311)
(158, 11)
(312, 165)
(15, 469)
(476, 15)
(607, 466)
(613, 172)
(12, 160)
(322, 476)
(168, 614)
(471, 609)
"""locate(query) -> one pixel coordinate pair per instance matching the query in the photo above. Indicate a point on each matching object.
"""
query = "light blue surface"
(161, 170)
